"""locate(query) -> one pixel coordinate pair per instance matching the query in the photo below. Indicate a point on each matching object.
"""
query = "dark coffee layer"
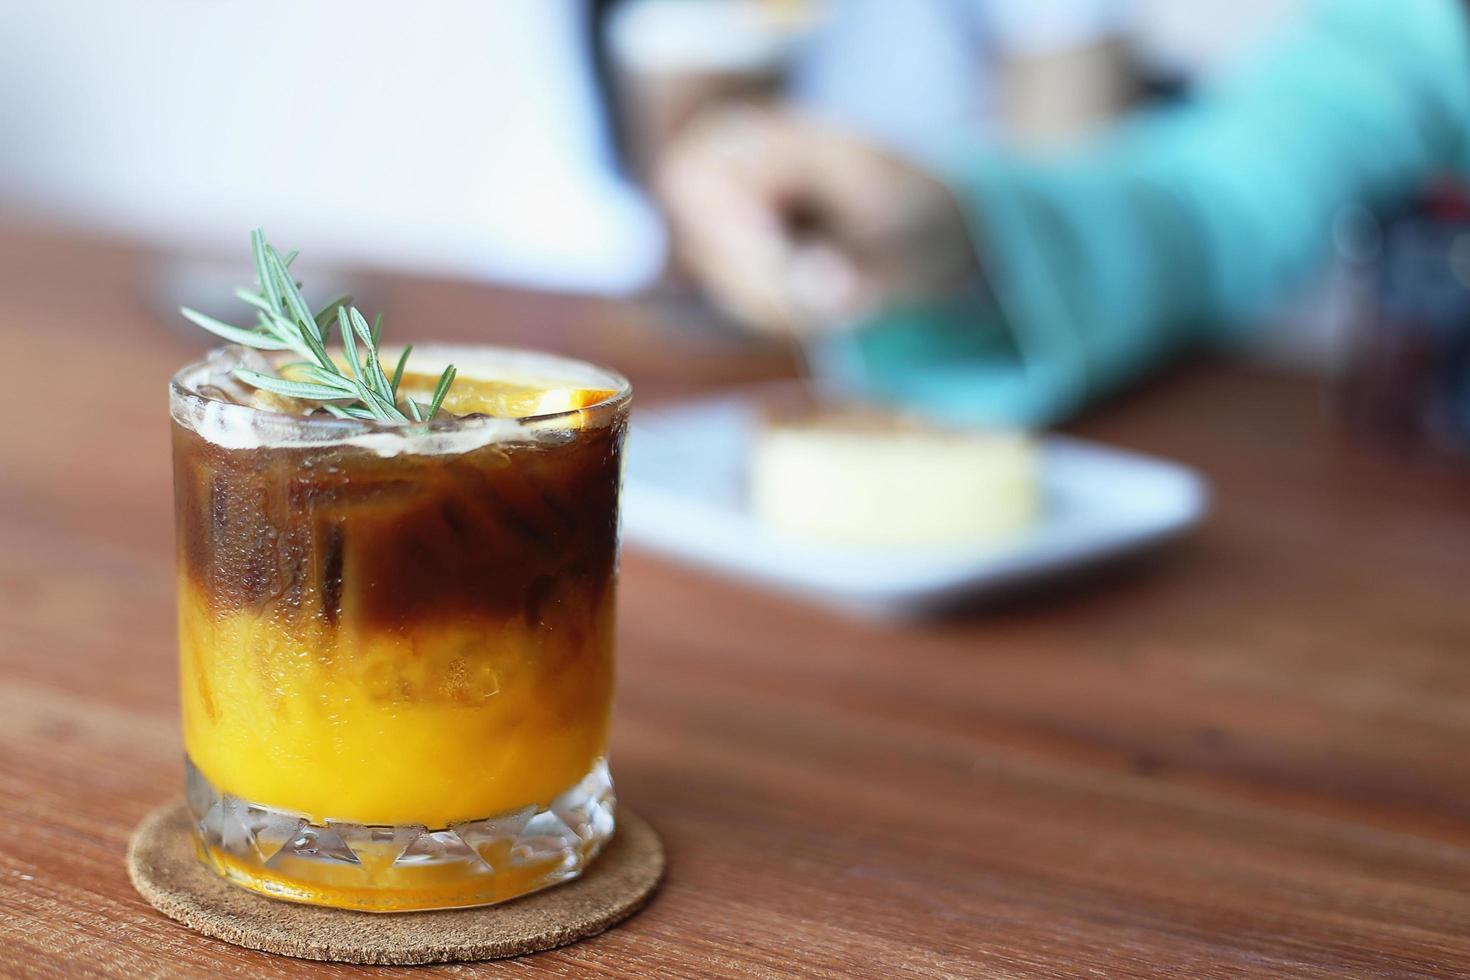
(503, 531)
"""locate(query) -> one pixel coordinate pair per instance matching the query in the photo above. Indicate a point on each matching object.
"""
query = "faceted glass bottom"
(377, 868)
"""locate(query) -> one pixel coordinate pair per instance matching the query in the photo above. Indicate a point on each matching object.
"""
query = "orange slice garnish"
(503, 399)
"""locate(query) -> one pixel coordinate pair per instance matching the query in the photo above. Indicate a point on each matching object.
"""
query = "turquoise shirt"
(1184, 225)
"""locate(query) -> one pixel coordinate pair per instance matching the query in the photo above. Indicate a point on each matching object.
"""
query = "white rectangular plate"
(684, 496)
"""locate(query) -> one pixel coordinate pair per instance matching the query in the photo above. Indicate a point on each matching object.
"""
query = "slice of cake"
(863, 477)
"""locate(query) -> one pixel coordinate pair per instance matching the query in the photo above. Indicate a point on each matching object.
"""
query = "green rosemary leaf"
(291, 295)
(361, 326)
(398, 371)
(317, 349)
(327, 315)
(384, 385)
(445, 380)
(266, 281)
(254, 299)
(285, 322)
(349, 346)
(279, 325)
(376, 378)
(384, 408)
(247, 338)
(281, 386)
(381, 384)
(330, 379)
(355, 412)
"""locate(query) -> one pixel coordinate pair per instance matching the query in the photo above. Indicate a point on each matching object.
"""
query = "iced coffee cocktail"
(396, 637)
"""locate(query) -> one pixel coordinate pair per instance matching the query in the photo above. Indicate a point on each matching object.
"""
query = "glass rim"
(328, 429)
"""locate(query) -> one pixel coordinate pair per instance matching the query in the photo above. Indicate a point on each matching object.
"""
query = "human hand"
(793, 226)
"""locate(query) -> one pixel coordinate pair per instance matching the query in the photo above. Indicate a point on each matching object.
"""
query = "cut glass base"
(402, 868)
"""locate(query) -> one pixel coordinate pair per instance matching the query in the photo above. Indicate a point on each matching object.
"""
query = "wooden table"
(1248, 756)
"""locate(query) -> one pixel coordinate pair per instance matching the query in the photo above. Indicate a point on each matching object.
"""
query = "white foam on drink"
(230, 422)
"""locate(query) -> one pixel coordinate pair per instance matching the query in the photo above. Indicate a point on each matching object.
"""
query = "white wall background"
(450, 135)
(446, 134)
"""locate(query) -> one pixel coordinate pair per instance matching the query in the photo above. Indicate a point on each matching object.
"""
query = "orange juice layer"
(439, 723)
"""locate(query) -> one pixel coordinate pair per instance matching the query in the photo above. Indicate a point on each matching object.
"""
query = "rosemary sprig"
(283, 322)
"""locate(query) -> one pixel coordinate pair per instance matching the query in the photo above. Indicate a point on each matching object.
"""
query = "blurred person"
(977, 283)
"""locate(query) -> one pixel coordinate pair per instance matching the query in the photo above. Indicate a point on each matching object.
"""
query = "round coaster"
(164, 870)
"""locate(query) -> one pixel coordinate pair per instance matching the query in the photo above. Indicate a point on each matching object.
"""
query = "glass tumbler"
(395, 640)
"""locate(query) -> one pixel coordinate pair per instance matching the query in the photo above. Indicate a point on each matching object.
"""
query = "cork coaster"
(164, 870)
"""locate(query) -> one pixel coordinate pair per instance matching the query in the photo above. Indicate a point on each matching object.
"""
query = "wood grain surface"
(1247, 756)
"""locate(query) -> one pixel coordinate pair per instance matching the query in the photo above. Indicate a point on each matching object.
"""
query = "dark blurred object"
(1407, 384)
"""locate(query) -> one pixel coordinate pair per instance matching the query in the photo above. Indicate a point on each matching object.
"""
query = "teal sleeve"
(1184, 225)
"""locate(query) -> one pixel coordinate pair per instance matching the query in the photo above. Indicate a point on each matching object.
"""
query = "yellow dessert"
(862, 477)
